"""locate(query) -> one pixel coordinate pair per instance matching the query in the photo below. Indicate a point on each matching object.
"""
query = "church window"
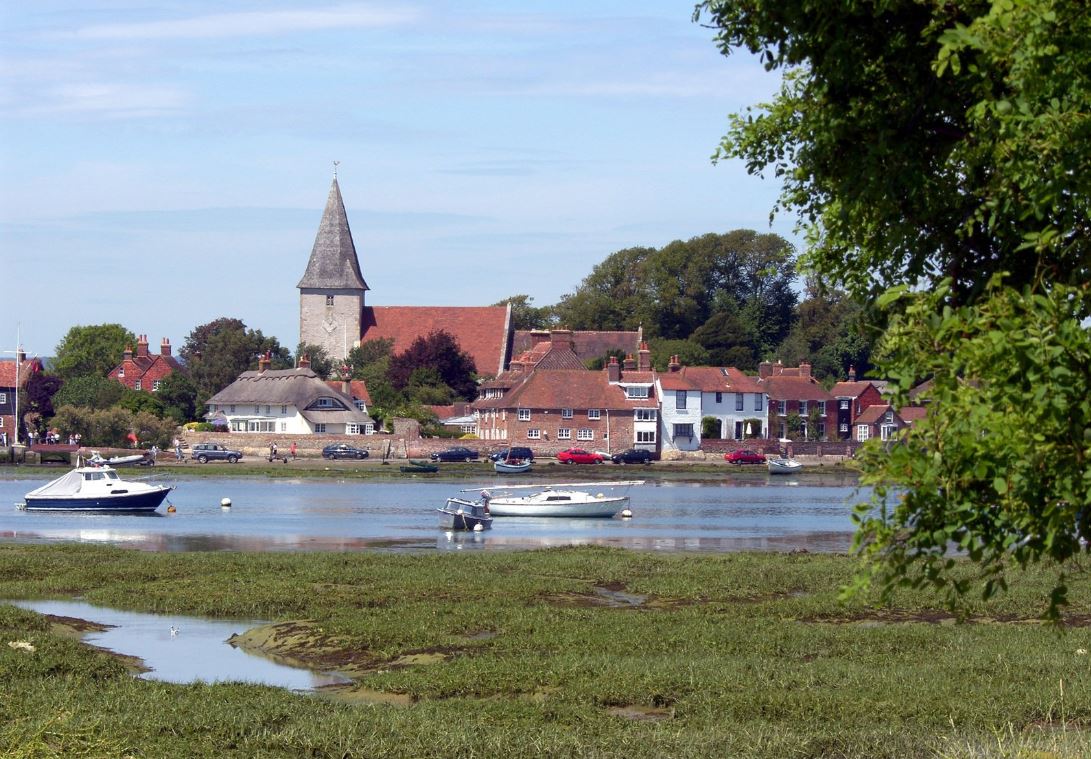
(329, 300)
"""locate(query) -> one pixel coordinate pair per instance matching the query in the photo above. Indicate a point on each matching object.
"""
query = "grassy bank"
(570, 652)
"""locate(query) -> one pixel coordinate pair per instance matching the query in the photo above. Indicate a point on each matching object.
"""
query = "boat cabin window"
(558, 498)
(110, 476)
(92, 475)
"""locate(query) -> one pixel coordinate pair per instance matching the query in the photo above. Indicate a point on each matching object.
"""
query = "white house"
(688, 394)
(292, 401)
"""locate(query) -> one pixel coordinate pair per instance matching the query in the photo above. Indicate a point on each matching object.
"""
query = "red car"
(579, 456)
(744, 457)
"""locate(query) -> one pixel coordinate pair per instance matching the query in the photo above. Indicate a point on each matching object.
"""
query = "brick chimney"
(629, 364)
(142, 346)
(538, 336)
(263, 361)
(805, 369)
(346, 380)
(778, 368)
(305, 361)
(675, 365)
(765, 369)
(561, 338)
(128, 354)
(164, 347)
(613, 370)
(852, 373)
(643, 359)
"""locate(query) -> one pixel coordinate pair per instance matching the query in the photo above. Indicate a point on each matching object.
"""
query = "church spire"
(333, 263)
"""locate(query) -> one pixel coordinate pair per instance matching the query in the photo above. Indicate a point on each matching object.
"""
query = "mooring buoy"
(225, 503)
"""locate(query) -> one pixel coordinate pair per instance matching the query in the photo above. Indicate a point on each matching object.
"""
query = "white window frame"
(136, 385)
(325, 403)
(585, 433)
(681, 397)
(155, 385)
(534, 434)
(121, 372)
(645, 436)
(352, 429)
(564, 433)
(524, 415)
(637, 392)
(320, 427)
(566, 413)
(862, 432)
(3, 397)
(740, 402)
(645, 414)
(594, 413)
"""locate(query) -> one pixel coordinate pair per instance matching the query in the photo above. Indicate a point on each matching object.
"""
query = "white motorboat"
(460, 514)
(560, 501)
(512, 467)
(95, 488)
(783, 465)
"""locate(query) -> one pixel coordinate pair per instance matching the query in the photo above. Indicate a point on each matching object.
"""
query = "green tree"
(91, 350)
(40, 391)
(321, 361)
(439, 351)
(710, 428)
(370, 352)
(95, 391)
(216, 353)
(689, 352)
(938, 154)
(525, 315)
(138, 401)
(179, 397)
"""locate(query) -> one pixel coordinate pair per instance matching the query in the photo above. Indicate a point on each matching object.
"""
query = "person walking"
(177, 449)
(292, 450)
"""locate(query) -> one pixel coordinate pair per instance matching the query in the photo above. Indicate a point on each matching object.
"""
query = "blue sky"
(163, 164)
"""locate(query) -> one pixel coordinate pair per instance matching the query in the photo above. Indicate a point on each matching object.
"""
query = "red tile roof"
(911, 414)
(567, 388)
(850, 389)
(710, 379)
(872, 414)
(26, 368)
(481, 331)
(587, 344)
(787, 388)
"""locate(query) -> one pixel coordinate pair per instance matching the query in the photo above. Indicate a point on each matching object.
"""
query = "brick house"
(548, 399)
(851, 399)
(143, 371)
(883, 422)
(793, 390)
(13, 377)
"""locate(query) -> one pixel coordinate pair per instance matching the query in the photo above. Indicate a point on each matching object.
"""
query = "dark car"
(744, 457)
(458, 453)
(205, 452)
(633, 456)
(515, 453)
(579, 456)
(343, 451)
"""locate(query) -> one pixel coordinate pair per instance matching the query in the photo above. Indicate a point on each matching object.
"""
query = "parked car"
(744, 457)
(458, 453)
(205, 452)
(633, 456)
(579, 456)
(343, 451)
(515, 453)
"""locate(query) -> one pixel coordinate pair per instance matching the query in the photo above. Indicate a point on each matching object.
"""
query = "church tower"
(331, 293)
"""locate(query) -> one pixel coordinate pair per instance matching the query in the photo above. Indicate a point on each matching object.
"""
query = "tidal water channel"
(729, 513)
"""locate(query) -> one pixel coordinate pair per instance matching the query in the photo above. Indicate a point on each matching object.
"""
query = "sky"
(164, 164)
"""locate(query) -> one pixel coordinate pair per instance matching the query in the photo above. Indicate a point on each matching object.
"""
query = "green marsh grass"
(520, 654)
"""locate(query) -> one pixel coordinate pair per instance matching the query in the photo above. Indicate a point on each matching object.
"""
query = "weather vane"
(335, 163)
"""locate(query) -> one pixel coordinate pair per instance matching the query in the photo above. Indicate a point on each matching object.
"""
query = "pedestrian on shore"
(272, 451)
(177, 449)
(292, 449)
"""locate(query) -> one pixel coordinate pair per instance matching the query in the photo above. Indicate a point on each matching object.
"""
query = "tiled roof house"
(690, 393)
(793, 390)
(852, 397)
(883, 422)
(587, 344)
(143, 370)
(14, 374)
(548, 398)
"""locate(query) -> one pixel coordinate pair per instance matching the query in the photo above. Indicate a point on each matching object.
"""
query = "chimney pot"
(164, 347)
(852, 373)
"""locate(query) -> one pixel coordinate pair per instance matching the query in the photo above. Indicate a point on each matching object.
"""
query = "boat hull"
(598, 508)
(464, 515)
(126, 502)
(783, 467)
(502, 467)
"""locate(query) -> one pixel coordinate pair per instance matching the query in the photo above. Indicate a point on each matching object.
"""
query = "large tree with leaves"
(91, 350)
(939, 154)
(219, 351)
(438, 351)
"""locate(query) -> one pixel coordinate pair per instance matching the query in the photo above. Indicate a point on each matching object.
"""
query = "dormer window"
(325, 402)
(640, 391)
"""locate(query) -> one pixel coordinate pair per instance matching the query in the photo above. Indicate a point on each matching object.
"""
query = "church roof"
(481, 331)
(333, 264)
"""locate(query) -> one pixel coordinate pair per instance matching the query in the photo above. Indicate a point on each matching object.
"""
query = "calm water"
(198, 650)
(751, 512)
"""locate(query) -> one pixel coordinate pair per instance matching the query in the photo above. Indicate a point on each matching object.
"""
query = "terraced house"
(794, 393)
(689, 394)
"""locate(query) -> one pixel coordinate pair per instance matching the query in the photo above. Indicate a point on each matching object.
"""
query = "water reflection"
(740, 513)
(183, 649)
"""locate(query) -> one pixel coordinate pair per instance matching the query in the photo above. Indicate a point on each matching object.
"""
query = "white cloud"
(254, 23)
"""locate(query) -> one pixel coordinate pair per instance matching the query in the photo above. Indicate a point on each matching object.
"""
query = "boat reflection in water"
(317, 515)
